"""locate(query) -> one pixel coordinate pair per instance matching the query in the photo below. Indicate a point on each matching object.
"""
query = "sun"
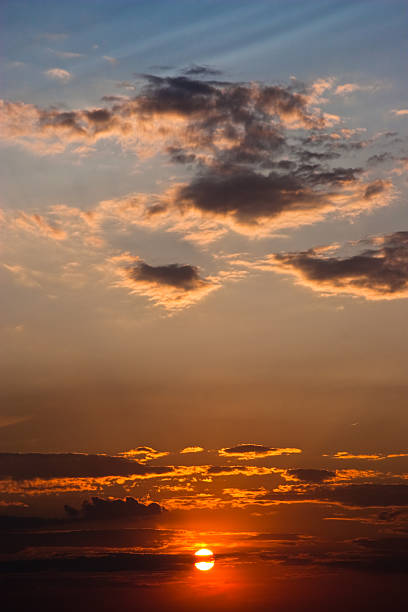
(204, 566)
(206, 557)
(204, 552)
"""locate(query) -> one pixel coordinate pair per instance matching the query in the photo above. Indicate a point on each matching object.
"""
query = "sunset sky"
(204, 273)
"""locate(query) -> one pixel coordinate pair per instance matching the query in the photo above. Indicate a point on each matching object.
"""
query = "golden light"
(204, 566)
(204, 552)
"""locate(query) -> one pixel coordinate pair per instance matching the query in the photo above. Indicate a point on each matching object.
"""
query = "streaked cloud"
(111, 60)
(367, 456)
(143, 453)
(255, 451)
(66, 54)
(37, 224)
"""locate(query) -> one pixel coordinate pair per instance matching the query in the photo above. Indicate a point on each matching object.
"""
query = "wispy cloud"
(66, 54)
(400, 112)
(110, 60)
(58, 74)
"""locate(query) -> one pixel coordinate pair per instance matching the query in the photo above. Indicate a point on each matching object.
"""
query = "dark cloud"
(310, 475)
(248, 196)
(26, 466)
(380, 158)
(261, 153)
(196, 70)
(246, 448)
(173, 286)
(173, 275)
(358, 495)
(17, 535)
(380, 272)
(253, 451)
(395, 544)
(113, 509)
(116, 562)
(390, 516)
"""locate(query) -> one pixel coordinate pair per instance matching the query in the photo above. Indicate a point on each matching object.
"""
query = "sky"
(204, 273)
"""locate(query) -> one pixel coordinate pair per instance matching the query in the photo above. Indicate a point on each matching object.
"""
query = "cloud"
(37, 224)
(111, 60)
(376, 273)
(365, 495)
(53, 35)
(143, 453)
(173, 286)
(260, 155)
(254, 203)
(310, 475)
(369, 457)
(107, 563)
(7, 421)
(243, 470)
(255, 451)
(349, 88)
(400, 112)
(114, 509)
(26, 466)
(191, 449)
(66, 54)
(59, 74)
(201, 71)
(24, 276)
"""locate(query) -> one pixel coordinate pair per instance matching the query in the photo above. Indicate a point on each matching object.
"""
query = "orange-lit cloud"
(400, 112)
(143, 453)
(248, 176)
(255, 451)
(37, 224)
(172, 286)
(367, 456)
(378, 272)
(191, 449)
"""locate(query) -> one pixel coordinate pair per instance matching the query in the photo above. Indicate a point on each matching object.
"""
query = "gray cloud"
(380, 272)
(260, 153)
(172, 275)
(173, 286)
(201, 71)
